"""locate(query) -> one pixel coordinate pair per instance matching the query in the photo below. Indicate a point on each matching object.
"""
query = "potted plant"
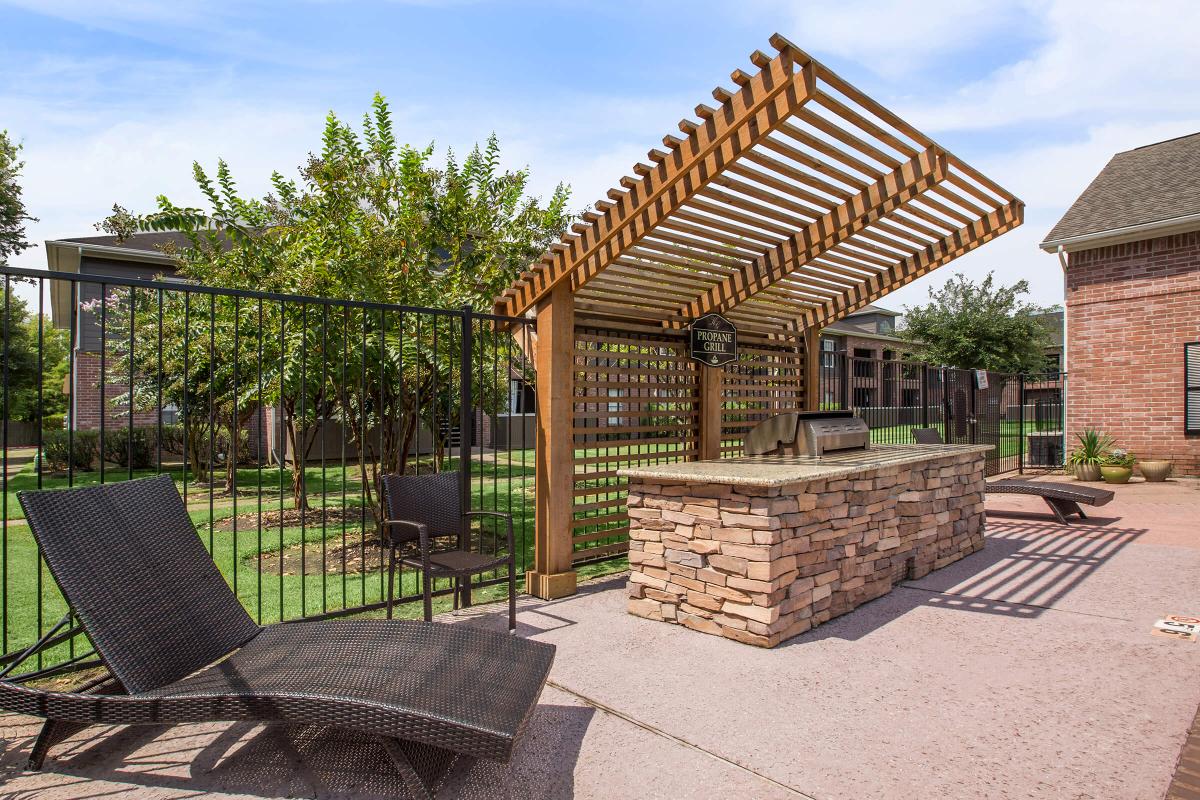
(1085, 460)
(1118, 466)
(1155, 469)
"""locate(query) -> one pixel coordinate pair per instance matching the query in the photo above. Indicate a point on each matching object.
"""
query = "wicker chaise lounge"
(179, 647)
(1063, 499)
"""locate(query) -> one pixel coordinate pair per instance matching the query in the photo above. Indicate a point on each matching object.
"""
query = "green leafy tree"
(25, 373)
(978, 326)
(369, 219)
(197, 352)
(13, 215)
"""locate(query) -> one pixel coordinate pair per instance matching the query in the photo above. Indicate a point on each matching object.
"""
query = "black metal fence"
(1021, 416)
(275, 414)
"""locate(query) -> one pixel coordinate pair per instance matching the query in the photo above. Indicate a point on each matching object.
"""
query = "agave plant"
(1093, 448)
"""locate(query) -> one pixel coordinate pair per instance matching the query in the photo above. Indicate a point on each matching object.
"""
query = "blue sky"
(115, 100)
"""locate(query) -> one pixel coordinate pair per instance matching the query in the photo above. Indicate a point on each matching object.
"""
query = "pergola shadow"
(1026, 568)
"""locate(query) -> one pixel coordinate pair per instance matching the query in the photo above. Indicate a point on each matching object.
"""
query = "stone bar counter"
(761, 549)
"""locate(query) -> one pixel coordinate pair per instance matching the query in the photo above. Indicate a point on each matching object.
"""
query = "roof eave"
(120, 253)
(1128, 233)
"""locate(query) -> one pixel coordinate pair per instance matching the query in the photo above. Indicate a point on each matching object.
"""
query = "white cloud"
(1100, 60)
(1098, 78)
(893, 38)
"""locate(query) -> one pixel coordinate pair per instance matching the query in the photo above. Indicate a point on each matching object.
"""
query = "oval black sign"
(713, 340)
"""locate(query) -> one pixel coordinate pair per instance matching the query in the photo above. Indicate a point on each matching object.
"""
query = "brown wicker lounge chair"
(179, 647)
(1063, 499)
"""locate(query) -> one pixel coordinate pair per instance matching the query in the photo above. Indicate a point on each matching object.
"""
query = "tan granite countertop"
(781, 470)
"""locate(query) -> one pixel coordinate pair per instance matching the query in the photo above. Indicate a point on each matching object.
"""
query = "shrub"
(243, 448)
(1119, 458)
(61, 450)
(130, 449)
(172, 439)
(54, 422)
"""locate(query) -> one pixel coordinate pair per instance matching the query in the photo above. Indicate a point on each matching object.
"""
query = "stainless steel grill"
(815, 437)
(811, 433)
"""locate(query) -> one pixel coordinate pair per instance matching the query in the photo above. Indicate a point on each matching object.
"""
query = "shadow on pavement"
(1024, 569)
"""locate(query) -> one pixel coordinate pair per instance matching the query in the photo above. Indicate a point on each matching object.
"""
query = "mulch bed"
(354, 552)
(293, 517)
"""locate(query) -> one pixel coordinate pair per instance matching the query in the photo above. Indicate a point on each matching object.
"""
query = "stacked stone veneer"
(760, 565)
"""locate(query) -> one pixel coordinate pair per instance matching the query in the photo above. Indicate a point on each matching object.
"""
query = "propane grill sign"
(713, 340)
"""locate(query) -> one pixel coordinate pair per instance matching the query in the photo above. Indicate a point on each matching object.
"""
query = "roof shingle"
(1154, 183)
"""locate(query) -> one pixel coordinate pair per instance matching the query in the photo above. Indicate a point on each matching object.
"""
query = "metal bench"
(1063, 499)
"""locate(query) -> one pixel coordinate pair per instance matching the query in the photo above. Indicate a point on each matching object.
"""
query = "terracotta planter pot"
(1087, 472)
(1155, 470)
(1116, 474)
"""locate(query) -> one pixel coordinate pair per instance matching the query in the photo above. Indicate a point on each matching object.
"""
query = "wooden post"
(711, 380)
(552, 575)
(812, 369)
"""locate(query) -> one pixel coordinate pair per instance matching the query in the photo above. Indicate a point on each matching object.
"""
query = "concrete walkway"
(1025, 670)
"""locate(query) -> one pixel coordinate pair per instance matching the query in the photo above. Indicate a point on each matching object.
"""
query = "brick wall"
(86, 398)
(1130, 309)
(87, 404)
(883, 384)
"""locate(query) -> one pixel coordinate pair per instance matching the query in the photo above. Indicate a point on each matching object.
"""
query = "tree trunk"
(299, 487)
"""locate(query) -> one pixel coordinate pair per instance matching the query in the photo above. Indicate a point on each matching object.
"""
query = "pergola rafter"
(794, 198)
(793, 202)
(885, 195)
(744, 118)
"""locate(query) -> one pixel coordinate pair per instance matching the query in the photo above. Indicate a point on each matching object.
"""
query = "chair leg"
(422, 767)
(391, 593)
(427, 591)
(1058, 510)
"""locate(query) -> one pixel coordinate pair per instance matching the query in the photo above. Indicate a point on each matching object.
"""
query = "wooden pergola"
(793, 202)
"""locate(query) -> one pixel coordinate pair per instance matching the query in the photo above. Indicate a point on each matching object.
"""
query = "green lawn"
(1010, 435)
(263, 563)
(273, 588)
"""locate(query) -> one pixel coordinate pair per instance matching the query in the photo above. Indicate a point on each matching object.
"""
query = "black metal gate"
(1020, 416)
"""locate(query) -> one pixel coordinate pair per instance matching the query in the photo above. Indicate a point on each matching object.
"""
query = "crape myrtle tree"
(13, 215)
(368, 220)
(978, 326)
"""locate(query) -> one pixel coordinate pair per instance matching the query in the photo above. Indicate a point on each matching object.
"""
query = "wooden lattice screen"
(767, 379)
(636, 397)
(637, 401)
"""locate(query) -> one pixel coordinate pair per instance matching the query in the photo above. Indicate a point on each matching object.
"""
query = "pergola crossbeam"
(961, 242)
(747, 117)
(859, 211)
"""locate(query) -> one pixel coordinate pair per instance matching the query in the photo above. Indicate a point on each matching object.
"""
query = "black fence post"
(847, 368)
(465, 407)
(1021, 424)
(924, 395)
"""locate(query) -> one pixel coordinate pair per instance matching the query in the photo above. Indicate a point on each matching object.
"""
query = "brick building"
(141, 256)
(865, 345)
(1130, 248)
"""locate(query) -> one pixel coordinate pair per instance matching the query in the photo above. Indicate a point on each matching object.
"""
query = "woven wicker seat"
(1063, 499)
(179, 647)
(425, 508)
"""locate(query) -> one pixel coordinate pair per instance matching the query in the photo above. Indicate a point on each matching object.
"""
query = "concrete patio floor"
(1025, 670)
